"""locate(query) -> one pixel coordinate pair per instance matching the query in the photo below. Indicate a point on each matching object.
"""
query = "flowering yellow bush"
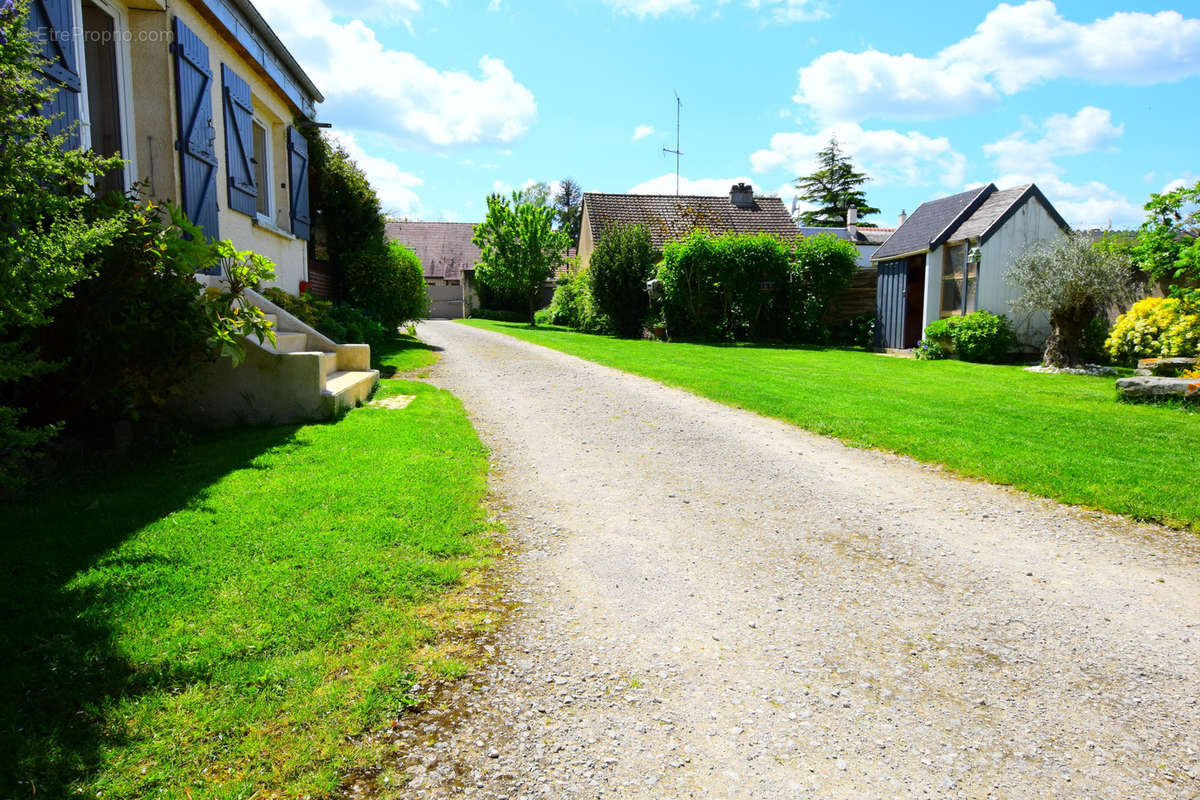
(1156, 328)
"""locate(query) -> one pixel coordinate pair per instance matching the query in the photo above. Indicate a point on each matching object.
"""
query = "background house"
(950, 257)
(446, 252)
(670, 217)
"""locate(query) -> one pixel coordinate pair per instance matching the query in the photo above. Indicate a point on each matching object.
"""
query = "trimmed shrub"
(730, 287)
(344, 323)
(821, 267)
(979, 336)
(619, 268)
(1156, 328)
(388, 281)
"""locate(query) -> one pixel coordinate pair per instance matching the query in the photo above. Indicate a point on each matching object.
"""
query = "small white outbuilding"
(951, 256)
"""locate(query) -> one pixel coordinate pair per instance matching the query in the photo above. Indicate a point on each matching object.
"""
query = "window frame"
(966, 282)
(265, 192)
(124, 73)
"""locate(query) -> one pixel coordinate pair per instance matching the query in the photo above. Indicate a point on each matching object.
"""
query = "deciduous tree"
(520, 249)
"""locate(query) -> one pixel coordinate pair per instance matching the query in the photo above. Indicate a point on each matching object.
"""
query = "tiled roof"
(874, 235)
(445, 248)
(996, 209)
(930, 221)
(670, 217)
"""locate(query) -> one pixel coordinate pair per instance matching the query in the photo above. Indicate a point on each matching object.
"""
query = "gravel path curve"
(715, 604)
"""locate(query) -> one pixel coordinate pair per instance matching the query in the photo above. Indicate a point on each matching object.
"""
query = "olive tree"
(520, 249)
(1075, 282)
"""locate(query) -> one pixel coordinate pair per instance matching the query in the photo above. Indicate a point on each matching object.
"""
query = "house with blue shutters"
(206, 106)
(951, 257)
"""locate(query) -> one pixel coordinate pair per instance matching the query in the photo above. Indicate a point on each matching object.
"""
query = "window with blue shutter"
(298, 183)
(239, 143)
(197, 136)
(52, 21)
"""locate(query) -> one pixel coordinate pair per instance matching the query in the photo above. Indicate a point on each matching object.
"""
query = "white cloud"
(785, 11)
(652, 8)
(642, 131)
(369, 87)
(1084, 205)
(1092, 204)
(1089, 130)
(779, 11)
(711, 187)
(1187, 179)
(1016, 46)
(394, 186)
(886, 156)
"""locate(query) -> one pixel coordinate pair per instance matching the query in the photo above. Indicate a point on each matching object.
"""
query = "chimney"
(852, 221)
(742, 196)
(903, 217)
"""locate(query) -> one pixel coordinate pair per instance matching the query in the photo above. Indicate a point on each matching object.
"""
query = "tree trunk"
(1067, 327)
(533, 302)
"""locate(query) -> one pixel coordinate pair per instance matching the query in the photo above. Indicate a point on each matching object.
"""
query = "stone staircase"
(304, 377)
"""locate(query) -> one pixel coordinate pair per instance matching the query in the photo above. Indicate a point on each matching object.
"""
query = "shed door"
(52, 22)
(890, 304)
(197, 135)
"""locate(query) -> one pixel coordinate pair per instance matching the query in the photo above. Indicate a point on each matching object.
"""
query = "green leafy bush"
(857, 331)
(619, 268)
(344, 323)
(49, 226)
(929, 350)
(306, 307)
(979, 336)
(572, 305)
(1156, 328)
(388, 281)
(728, 287)
(821, 267)
(349, 324)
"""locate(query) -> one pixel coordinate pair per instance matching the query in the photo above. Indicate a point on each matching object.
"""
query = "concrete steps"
(347, 389)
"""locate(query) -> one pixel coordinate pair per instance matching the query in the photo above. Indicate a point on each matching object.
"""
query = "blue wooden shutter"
(239, 143)
(52, 21)
(197, 136)
(298, 183)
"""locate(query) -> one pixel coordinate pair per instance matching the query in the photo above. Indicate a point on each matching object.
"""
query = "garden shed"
(951, 256)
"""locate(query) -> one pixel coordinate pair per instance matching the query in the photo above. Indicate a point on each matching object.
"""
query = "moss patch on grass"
(1060, 436)
(227, 619)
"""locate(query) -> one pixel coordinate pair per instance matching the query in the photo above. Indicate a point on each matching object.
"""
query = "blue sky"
(445, 101)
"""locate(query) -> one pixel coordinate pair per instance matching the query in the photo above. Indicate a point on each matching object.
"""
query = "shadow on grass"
(396, 353)
(61, 662)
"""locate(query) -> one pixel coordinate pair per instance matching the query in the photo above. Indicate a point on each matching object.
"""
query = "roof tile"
(670, 217)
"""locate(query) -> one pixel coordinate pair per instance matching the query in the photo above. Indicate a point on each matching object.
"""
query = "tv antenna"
(676, 151)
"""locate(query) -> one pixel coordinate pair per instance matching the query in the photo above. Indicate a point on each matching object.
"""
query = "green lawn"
(401, 354)
(227, 619)
(1060, 436)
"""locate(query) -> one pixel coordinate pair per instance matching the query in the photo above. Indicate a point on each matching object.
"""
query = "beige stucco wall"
(586, 242)
(155, 131)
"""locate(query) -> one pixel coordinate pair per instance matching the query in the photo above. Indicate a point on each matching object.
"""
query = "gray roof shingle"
(445, 248)
(997, 208)
(670, 217)
(930, 221)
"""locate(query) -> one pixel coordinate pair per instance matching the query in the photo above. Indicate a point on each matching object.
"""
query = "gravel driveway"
(715, 604)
